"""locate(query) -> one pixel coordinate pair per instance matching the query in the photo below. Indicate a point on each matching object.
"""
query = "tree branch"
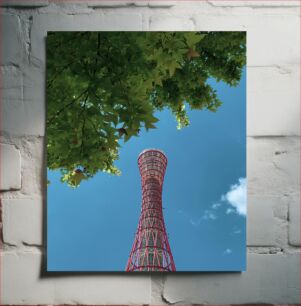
(83, 126)
(57, 73)
(97, 53)
(66, 106)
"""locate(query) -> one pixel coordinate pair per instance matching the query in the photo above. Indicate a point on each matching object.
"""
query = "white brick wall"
(272, 278)
(274, 101)
(23, 221)
(24, 284)
(22, 3)
(10, 172)
(273, 155)
(294, 220)
(13, 46)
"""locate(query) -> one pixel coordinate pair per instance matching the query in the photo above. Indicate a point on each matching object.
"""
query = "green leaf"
(192, 38)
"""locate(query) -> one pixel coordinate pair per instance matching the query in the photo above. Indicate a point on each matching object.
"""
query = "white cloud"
(230, 211)
(216, 205)
(209, 215)
(195, 222)
(237, 197)
(227, 251)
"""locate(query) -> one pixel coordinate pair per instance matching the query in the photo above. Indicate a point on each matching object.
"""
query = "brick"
(170, 23)
(34, 100)
(12, 44)
(294, 220)
(272, 39)
(157, 284)
(22, 221)
(24, 3)
(267, 221)
(140, 3)
(12, 96)
(268, 279)
(23, 102)
(115, 4)
(273, 92)
(10, 160)
(11, 84)
(160, 3)
(261, 223)
(250, 3)
(273, 165)
(66, 7)
(33, 167)
(265, 31)
(22, 283)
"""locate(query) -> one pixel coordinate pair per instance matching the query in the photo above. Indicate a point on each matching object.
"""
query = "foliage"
(103, 87)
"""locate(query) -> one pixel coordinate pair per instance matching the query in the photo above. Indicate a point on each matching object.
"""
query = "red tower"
(151, 250)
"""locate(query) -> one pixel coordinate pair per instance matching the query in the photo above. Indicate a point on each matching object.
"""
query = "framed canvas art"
(146, 151)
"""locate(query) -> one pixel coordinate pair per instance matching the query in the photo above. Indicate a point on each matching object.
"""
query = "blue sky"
(204, 196)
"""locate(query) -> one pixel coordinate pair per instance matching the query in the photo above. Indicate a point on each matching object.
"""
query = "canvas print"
(146, 151)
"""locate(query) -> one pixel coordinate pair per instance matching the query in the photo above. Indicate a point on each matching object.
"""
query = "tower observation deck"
(151, 250)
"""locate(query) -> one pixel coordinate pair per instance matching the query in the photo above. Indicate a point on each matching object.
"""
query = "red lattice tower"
(151, 249)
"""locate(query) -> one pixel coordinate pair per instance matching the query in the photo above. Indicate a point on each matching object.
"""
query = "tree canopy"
(104, 87)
